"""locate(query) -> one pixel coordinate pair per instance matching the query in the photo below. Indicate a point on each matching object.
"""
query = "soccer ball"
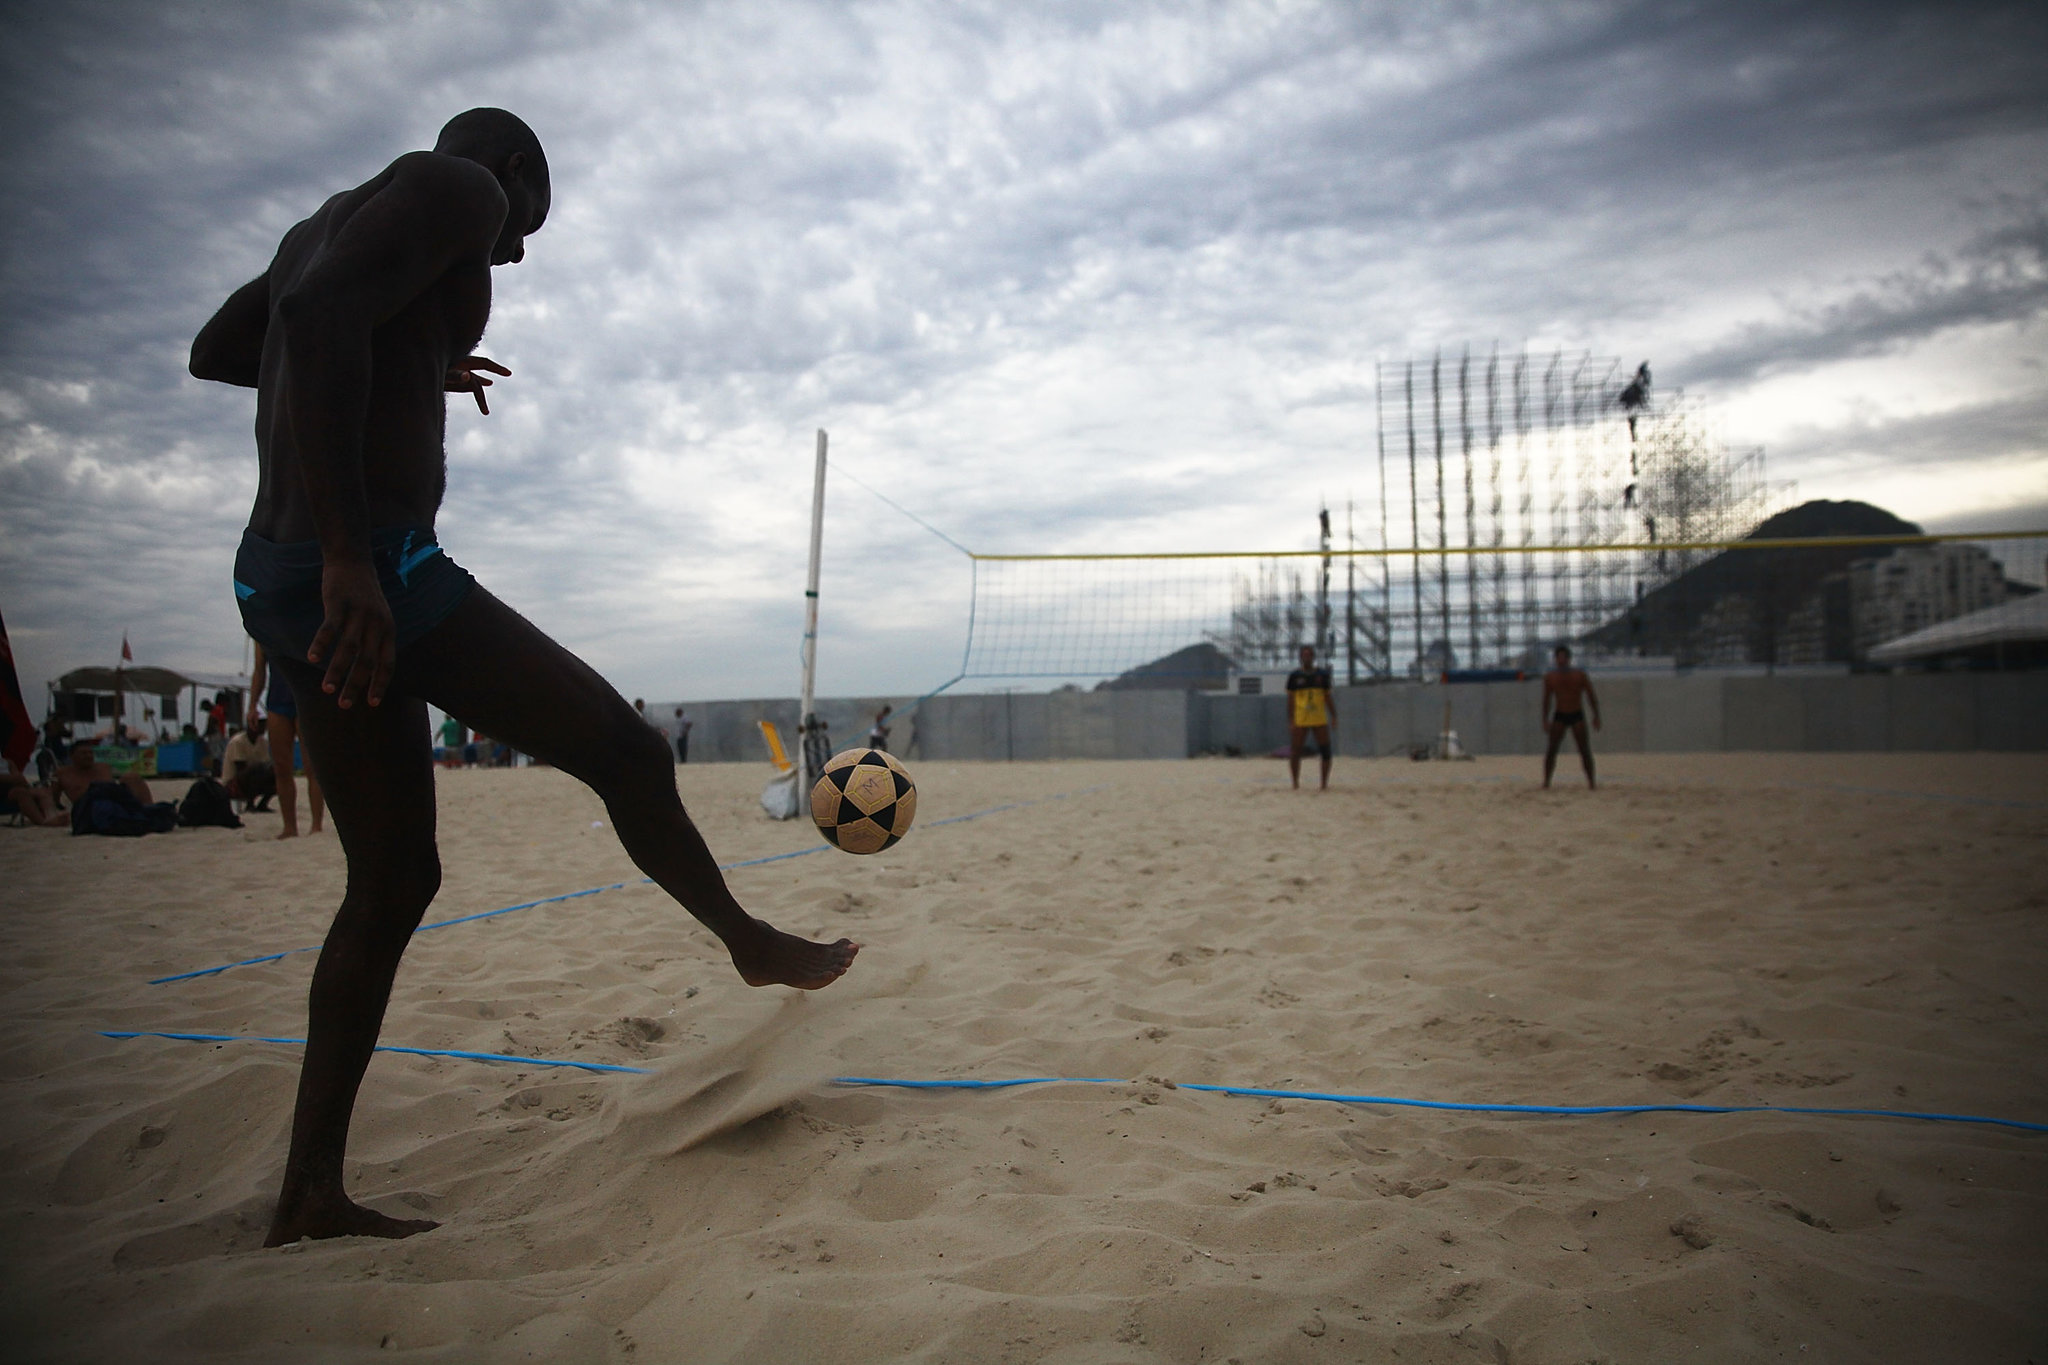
(864, 801)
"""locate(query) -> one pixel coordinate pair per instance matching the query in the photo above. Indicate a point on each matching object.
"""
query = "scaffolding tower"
(1530, 470)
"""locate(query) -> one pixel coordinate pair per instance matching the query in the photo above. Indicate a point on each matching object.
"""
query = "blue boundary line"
(615, 886)
(381, 1047)
(1456, 1106)
(1254, 1092)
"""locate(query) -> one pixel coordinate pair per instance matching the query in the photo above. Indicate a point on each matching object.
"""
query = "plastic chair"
(776, 753)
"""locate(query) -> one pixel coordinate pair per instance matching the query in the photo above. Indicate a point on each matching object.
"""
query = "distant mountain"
(1822, 517)
(1741, 599)
(1200, 666)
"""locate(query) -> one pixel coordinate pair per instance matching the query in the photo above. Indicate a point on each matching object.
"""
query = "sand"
(1838, 931)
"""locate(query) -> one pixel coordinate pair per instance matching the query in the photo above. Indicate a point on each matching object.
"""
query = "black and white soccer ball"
(864, 801)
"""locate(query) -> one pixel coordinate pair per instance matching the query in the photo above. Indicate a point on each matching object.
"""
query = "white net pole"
(805, 720)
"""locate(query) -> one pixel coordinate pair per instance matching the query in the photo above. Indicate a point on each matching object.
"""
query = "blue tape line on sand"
(1555, 1110)
(615, 886)
(410, 1051)
(1552, 1110)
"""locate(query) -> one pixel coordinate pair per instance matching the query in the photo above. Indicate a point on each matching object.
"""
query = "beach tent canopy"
(2022, 622)
(154, 682)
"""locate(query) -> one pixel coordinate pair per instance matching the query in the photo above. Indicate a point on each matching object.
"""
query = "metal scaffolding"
(1485, 442)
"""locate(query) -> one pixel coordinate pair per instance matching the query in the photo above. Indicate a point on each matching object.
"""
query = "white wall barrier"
(1695, 713)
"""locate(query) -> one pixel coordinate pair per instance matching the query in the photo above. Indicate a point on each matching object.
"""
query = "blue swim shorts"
(278, 587)
(278, 699)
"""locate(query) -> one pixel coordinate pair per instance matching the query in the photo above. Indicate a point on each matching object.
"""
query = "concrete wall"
(730, 731)
(1023, 725)
(1698, 713)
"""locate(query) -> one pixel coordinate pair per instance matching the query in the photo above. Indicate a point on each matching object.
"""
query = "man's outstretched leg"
(380, 786)
(1585, 752)
(1556, 733)
(490, 667)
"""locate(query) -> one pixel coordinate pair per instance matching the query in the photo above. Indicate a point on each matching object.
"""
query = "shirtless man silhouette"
(364, 320)
(75, 778)
(1567, 691)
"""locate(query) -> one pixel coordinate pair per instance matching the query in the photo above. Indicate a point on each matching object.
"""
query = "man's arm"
(1549, 694)
(229, 348)
(434, 213)
(1592, 697)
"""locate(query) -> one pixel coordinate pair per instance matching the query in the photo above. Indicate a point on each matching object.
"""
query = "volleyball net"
(1403, 612)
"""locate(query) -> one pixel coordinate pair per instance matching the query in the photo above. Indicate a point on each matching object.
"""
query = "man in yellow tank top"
(1308, 706)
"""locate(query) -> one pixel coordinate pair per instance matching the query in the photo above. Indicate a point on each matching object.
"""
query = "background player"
(1567, 691)
(1308, 705)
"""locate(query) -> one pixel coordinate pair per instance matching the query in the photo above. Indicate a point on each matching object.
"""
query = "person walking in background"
(282, 730)
(453, 732)
(683, 723)
(878, 733)
(216, 731)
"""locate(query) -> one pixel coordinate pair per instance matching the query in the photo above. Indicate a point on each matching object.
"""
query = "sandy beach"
(1837, 931)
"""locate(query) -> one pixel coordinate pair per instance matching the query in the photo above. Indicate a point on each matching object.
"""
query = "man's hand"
(359, 632)
(463, 378)
(1596, 720)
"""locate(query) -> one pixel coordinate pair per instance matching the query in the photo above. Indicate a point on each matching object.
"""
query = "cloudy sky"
(1055, 277)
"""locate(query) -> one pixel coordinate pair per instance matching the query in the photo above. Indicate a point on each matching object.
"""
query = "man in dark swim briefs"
(1566, 693)
(363, 321)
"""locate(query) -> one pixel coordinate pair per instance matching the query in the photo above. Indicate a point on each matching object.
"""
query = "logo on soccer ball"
(864, 801)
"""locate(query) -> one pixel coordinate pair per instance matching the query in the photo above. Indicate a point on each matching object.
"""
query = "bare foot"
(288, 832)
(340, 1216)
(779, 959)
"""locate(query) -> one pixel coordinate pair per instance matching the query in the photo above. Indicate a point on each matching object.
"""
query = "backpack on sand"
(207, 803)
(110, 808)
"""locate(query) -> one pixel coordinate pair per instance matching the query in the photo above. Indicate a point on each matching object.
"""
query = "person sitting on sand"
(243, 770)
(85, 768)
(38, 803)
(1567, 691)
(1308, 704)
(352, 335)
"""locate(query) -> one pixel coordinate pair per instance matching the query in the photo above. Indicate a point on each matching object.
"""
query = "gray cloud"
(2009, 432)
(2000, 276)
(1085, 276)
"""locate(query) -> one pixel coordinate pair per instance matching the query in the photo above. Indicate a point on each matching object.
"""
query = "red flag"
(127, 654)
(17, 735)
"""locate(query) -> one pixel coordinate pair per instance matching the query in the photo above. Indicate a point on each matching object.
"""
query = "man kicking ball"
(1567, 691)
(351, 339)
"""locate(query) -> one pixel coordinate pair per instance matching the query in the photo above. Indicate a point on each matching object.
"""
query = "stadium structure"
(1526, 501)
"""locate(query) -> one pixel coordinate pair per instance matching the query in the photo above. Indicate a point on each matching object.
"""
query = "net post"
(807, 765)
